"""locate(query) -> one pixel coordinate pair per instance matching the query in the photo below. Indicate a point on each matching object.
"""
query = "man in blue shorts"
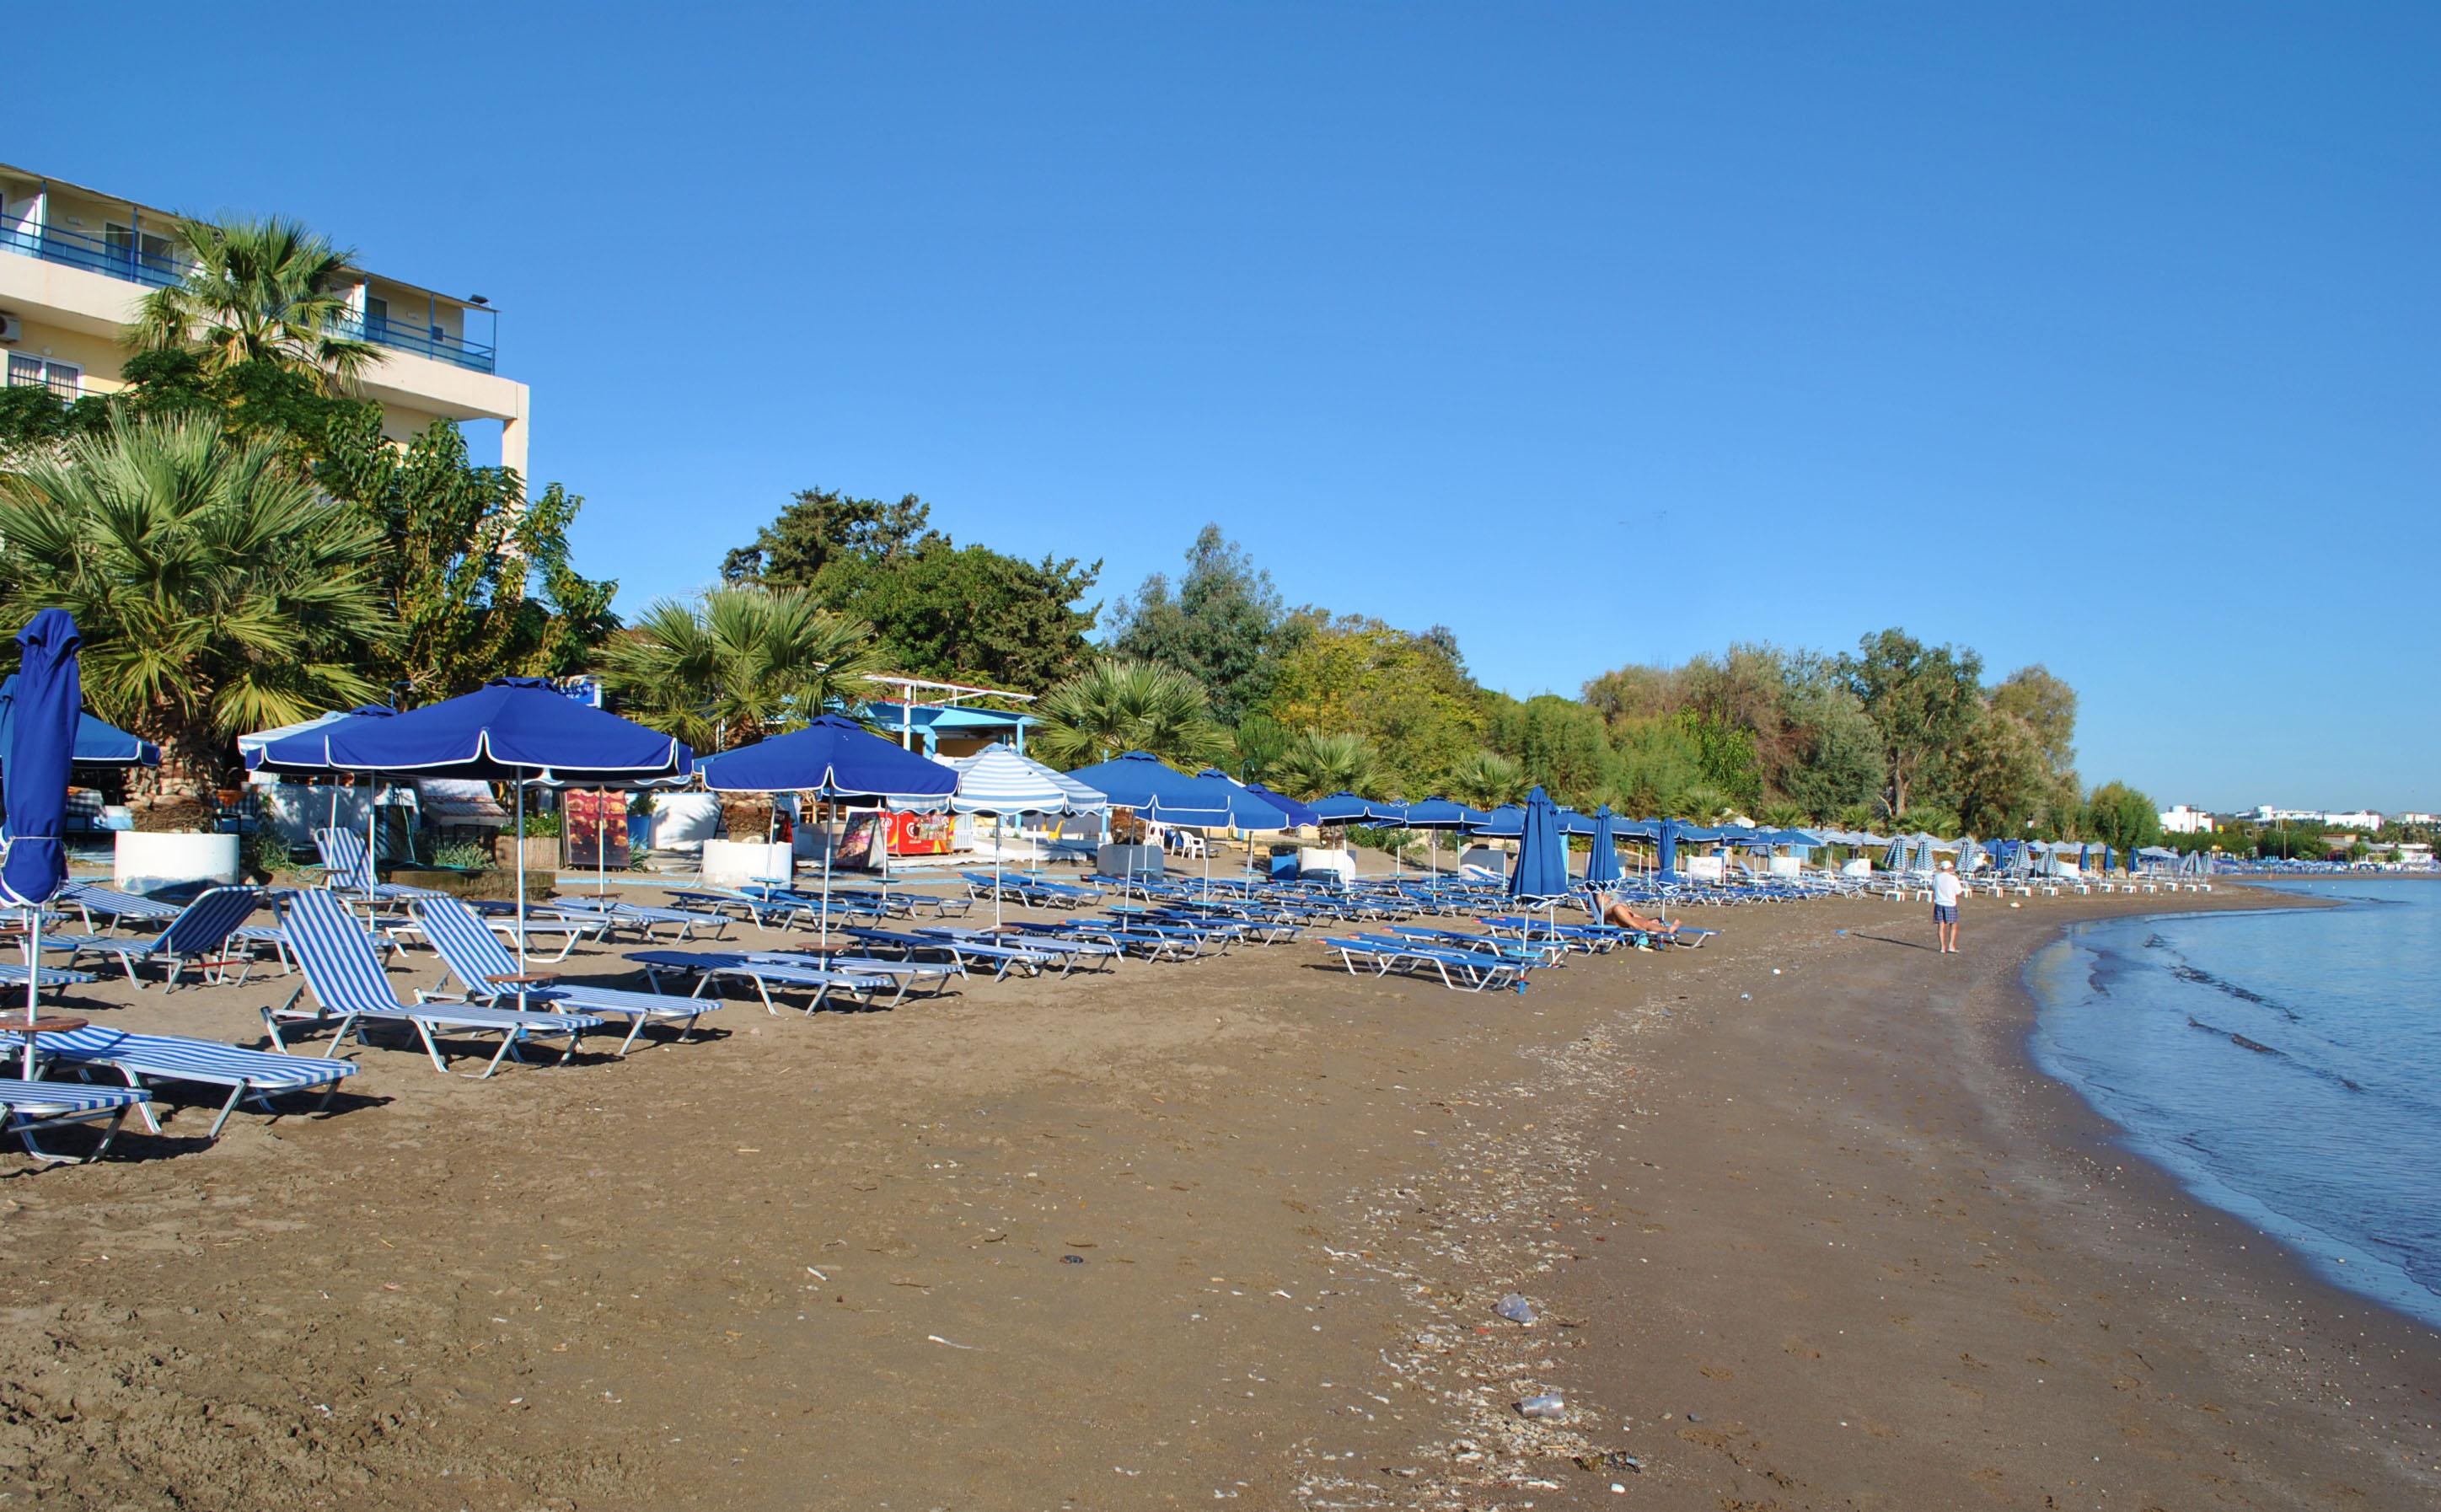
(1946, 890)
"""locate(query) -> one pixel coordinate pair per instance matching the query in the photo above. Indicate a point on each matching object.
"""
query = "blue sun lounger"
(711, 967)
(349, 989)
(1052, 950)
(88, 900)
(347, 867)
(13, 975)
(1462, 970)
(904, 975)
(486, 973)
(143, 1060)
(614, 916)
(197, 934)
(30, 1107)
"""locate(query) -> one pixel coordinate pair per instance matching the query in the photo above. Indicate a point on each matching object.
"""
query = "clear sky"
(2103, 337)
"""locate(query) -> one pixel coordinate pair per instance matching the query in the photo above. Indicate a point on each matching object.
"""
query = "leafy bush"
(462, 855)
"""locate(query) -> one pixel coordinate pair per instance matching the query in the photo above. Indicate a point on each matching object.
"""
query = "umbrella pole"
(519, 851)
(996, 899)
(33, 979)
(602, 840)
(373, 857)
(830, 842)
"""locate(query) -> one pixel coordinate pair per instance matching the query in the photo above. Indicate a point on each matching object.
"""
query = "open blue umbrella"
(1433, 814)
(1603, 864)
(1161, 793)
(41, 748)
(251, 749)
(1300, 814)
(1507, 822)
(97, 744)
(834, 758)
(513, 729)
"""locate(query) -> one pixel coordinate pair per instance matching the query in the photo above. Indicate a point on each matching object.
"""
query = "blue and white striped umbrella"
(997, 781)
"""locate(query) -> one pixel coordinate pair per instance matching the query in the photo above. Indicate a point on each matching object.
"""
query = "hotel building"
(74, 263)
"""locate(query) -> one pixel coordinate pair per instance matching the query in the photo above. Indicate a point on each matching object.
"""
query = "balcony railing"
(154, 270)
(422, 339)
(77, 250)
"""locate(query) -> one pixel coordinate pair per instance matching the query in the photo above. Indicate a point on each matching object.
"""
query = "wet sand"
(1221, 1232)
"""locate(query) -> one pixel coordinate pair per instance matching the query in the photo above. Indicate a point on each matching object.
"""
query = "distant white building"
(2182, 820)
(2363, 818)
(2419, 819)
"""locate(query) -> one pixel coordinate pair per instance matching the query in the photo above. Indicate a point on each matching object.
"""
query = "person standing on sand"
(1946, 890)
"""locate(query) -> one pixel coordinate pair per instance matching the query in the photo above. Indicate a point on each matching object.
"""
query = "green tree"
(2000, 776)
(1923, 700)
(1486, 779)
(968, 614)
(1118, 705)
(2047, 704)
(265, 291)
(742, 664)
(1316, 765)
(475, 576)
(218, 588)
(1837, 750)
(1260, 740)
(1656, 760)
(1559, 742)
(2122, 816)
(1403, 693)
(1220, 625)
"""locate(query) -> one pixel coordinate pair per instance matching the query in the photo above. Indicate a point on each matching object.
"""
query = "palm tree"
(1487, 779)
(1119, 704)
(1315, 764)
(1700, 804)
(1784, 817)
(744, 662)
(260, 290)
(218, 588)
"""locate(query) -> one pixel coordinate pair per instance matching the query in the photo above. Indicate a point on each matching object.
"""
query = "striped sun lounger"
(485, 972)
(89, 900)
(197, 934)
(349, 989)
(29, 1108)
(145, 1060)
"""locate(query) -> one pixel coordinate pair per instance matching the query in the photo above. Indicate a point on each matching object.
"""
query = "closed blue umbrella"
(97, 744)
(1541, 873)
(41, 748)
(513, 729)
(1603, 864)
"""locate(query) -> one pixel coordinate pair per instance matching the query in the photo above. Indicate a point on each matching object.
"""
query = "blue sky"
(2083, 334)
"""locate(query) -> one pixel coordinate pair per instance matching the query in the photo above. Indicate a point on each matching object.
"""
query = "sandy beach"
(1803, 1227)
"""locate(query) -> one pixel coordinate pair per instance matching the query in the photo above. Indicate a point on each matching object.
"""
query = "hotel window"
(130, 244)
(63, 379)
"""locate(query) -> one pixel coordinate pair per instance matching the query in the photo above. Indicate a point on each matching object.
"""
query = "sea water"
(2284, 1066)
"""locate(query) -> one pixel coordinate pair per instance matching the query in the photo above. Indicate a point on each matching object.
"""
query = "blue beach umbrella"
(1602, 865)
(97, 744)
(1507, 822)
(41, 749)
(514, 730)
(1161, 793)
(999, 782)
(1433, 814)
(1300, 814)
(834, 758)
(251, 750)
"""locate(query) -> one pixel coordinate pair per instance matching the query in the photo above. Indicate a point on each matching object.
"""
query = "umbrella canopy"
(1300, 814)
(513, 729)
(1507, 822)
(1440, 814)
(835, 758)
(97, 744)
(1603, 864)
(1542, 868)
(997, 779)
(1164, 795)
(250, 747)
(1347, 808)
(1572, 822)
(40, 748)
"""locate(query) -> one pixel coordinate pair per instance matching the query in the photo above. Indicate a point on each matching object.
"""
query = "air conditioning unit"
(11, 329)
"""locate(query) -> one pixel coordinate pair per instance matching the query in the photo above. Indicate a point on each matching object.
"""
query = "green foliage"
(1219, 626)
(937, 609)
(261, 292)
(1656, 760)
(2122, 817)
(1725, 756)
(218, 590)
(1923, 699)
(1316, 765)
(462, 855)
(540, 824)
(2047, 704)
(1260, 740)
(2000, 776)
(745, 661)
(1403, 693)
(1486, 779)
(1118, 705)
(1699, 801)
(461, 554)
(1559, 743)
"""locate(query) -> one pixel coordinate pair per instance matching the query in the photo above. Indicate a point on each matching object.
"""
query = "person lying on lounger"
(1627, 918)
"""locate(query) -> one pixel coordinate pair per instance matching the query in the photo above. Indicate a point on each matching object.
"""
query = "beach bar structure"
(943, 719)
